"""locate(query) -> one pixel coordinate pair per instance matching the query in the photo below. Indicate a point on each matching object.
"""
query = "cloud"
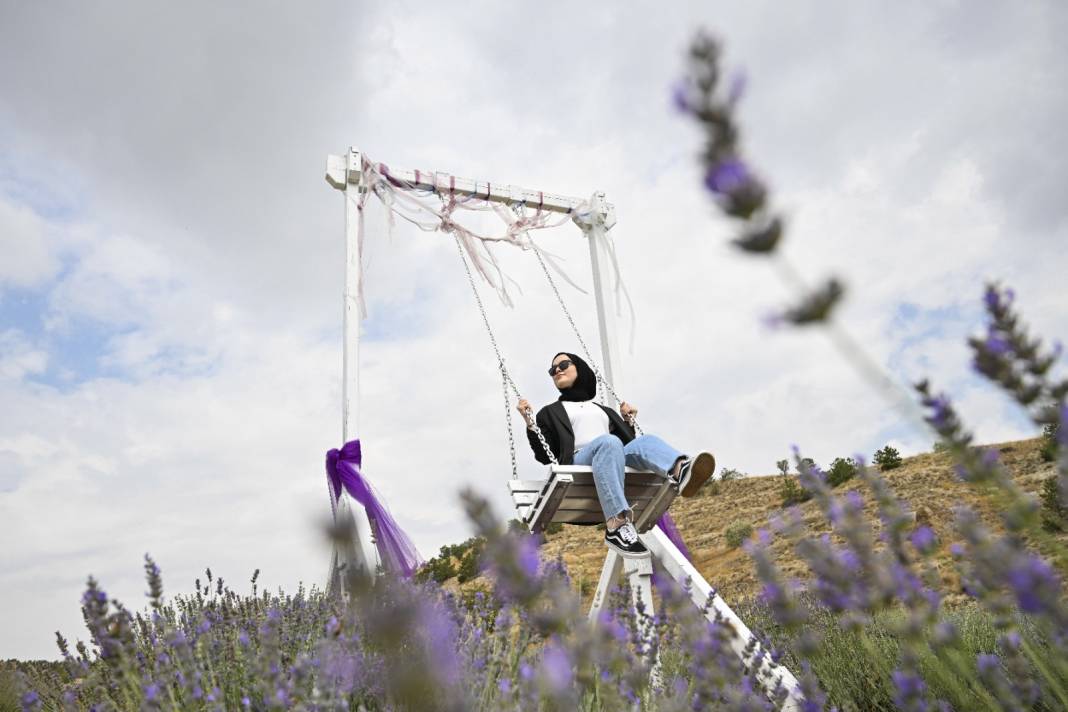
(28, 257)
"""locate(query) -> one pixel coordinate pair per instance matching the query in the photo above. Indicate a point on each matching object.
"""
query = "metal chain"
(508, 419)
(586, 349)
(506, 379)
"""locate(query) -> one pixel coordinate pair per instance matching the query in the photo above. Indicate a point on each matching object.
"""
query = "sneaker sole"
(703, 467)
(626, 554)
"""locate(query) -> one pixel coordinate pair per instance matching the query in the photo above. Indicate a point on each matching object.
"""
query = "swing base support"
(639, 574)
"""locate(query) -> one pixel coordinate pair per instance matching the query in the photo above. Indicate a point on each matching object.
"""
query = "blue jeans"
(608, 456)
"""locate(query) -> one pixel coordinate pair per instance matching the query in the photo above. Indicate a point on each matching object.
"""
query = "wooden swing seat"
(569, 496)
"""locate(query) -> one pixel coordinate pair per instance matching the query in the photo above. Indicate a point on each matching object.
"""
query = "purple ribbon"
(396, 550)
(667, 525)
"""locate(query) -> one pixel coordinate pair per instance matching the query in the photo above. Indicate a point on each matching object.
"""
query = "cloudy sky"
(171, 258)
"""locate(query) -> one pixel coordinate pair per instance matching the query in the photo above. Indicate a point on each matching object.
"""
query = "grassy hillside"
(926, 482)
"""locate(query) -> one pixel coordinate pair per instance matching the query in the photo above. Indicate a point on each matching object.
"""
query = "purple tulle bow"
(667, 525)
(396, 550)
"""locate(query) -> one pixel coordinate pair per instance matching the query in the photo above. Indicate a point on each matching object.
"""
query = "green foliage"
(9, 689)
(1054, 513)
(438, 569)
(455, 560)
(1049, 442)
(855, 665)
(791, 492)
(737, 532)
(887, 459)
(730, 474)
(554, 528)
(842, 470)
(469, 565)
(784, 467)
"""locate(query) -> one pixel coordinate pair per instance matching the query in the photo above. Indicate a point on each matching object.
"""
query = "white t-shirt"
(588, 421)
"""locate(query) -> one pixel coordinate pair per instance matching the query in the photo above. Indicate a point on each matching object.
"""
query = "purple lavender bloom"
(31, 701)
(727, 177)
(991, 298)
(151, 692)
(528, 558)
(909, 689)
(924, 539)
(556, 668)
(997, 345)
(987, 663)
(940, 410)
(681, 94)
(1032, 581)
(737, 87)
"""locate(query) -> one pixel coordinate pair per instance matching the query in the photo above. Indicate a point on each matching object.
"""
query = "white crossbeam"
(336, 175)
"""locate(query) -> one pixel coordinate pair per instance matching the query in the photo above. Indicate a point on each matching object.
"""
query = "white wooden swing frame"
(567, 495)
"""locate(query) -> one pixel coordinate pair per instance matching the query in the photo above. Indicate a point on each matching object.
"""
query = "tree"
(887, 459)
(1049, 442)
(842, 470)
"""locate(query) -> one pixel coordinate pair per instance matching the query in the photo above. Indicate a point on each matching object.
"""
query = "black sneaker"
(694, 472)
(626, 542)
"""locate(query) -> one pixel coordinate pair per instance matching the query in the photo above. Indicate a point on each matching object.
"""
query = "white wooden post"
(344, 173)
(702, 595)
(595, 226)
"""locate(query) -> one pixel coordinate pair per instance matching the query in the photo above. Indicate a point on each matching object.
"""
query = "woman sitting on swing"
(582, 432)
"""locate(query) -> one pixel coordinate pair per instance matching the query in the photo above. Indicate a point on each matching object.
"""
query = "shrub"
(783, 466)
(1049, 442)
(737, 532)
(554, 528)
(730, 475)
(842, 470)
(1054, 513)
(887, 459)
(438, 569)
(715, 486)
(791, 492)
(469, 565)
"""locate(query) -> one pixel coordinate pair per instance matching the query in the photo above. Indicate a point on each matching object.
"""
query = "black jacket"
(555, 425)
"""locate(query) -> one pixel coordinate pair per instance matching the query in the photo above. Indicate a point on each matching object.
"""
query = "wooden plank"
(446, 183)
(526, 485)
(524, 498)
(632, 491)
(594, 505)
(654, 508)
(635, 478)
(577, 516)
(580, 469)
(556, 490)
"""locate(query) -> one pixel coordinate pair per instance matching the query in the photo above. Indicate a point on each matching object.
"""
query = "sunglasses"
(562, 366)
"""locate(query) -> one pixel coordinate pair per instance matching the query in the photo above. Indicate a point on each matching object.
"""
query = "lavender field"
(867, 626)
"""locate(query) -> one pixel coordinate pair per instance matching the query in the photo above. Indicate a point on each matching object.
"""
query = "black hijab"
(585, 386)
